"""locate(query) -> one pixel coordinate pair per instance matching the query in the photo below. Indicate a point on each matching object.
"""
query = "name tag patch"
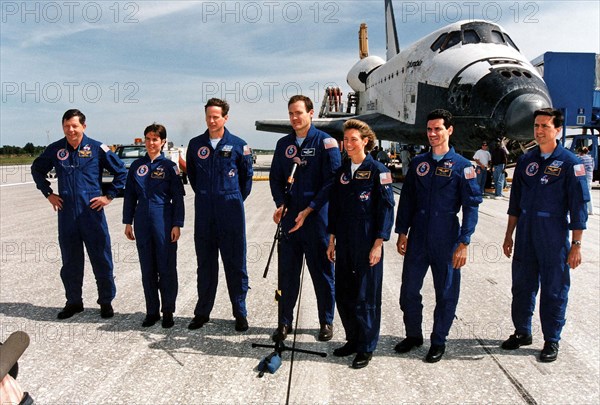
(552, 170)
(308, 152)
(443, 171)
(159, 173)
(362, 175)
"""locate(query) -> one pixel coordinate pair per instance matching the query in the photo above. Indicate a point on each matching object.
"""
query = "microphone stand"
(280, 347)
(286, 200)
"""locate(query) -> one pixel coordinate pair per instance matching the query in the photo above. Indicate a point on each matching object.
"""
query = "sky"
(129, 64)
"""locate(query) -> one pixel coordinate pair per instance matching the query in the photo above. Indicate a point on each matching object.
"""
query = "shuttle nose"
(519, 115)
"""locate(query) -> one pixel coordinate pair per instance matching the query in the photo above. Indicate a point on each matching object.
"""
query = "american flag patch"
(247, 150)
(470, 173)
(330, 143)
(385, 178)
(176, 170)
(104, 147)
(579, 170)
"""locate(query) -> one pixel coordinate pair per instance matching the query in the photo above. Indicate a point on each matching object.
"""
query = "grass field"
(6, 160)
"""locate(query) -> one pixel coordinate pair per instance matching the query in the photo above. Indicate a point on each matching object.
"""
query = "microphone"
(290, 179)
(11, 350)
(299, 162)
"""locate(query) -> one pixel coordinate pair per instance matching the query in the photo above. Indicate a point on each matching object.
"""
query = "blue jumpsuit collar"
(160, 157)
(206, 138)
(309, 135)
(450, 155)
(368, 161)
(555, 153)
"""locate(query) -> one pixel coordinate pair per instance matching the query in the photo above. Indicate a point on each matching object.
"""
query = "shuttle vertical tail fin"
(391, 35)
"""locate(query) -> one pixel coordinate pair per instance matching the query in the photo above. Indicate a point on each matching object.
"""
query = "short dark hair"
(557, 116)
(299, 97)
(365, 132)
(217, 102)
(73, 113)
(441, 114)
(157, 129)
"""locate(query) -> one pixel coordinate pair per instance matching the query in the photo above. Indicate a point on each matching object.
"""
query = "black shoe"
(150, 320)
(168, 321)
(435, 353)
(106, 311)
(198, 322)
(326, 332)
(241, 324)
(515, 341)
(362, 360)
(408, 344)
(346, 350)
(550, 352)
(281, 333)
(69, 310)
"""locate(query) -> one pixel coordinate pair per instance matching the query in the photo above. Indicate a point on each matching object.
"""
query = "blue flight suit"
(543, 192)
(79, 173)
(154, 204)
(361, 210)
(321, 157)
(432, 195)
(221, 179)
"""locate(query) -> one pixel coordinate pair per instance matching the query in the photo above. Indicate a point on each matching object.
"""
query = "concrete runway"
(87, 359)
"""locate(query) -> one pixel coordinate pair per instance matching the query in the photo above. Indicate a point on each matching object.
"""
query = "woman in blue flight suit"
(361, 213)
(154, 201)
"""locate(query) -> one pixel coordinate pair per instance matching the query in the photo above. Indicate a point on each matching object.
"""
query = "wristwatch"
(576, 242)
(110, 196)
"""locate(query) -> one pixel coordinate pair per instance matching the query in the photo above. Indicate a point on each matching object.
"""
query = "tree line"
(28, 149)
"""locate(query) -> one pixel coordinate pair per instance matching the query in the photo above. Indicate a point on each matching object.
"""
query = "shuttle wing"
(333, 126)
(386, 128)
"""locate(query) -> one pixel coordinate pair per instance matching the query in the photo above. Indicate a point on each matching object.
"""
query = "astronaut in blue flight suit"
(361, 215)
(439, 184)
(304, 232)
(79, 162)
(154, 204)
(548, 197)
(219, 166)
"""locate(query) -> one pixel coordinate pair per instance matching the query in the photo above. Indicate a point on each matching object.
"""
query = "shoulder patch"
(105, 147)
(385, 178)
(329, 143)
(579, 170)
(470, 173)
(247, 150)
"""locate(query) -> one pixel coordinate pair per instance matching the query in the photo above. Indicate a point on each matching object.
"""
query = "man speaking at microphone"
(303, 231)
